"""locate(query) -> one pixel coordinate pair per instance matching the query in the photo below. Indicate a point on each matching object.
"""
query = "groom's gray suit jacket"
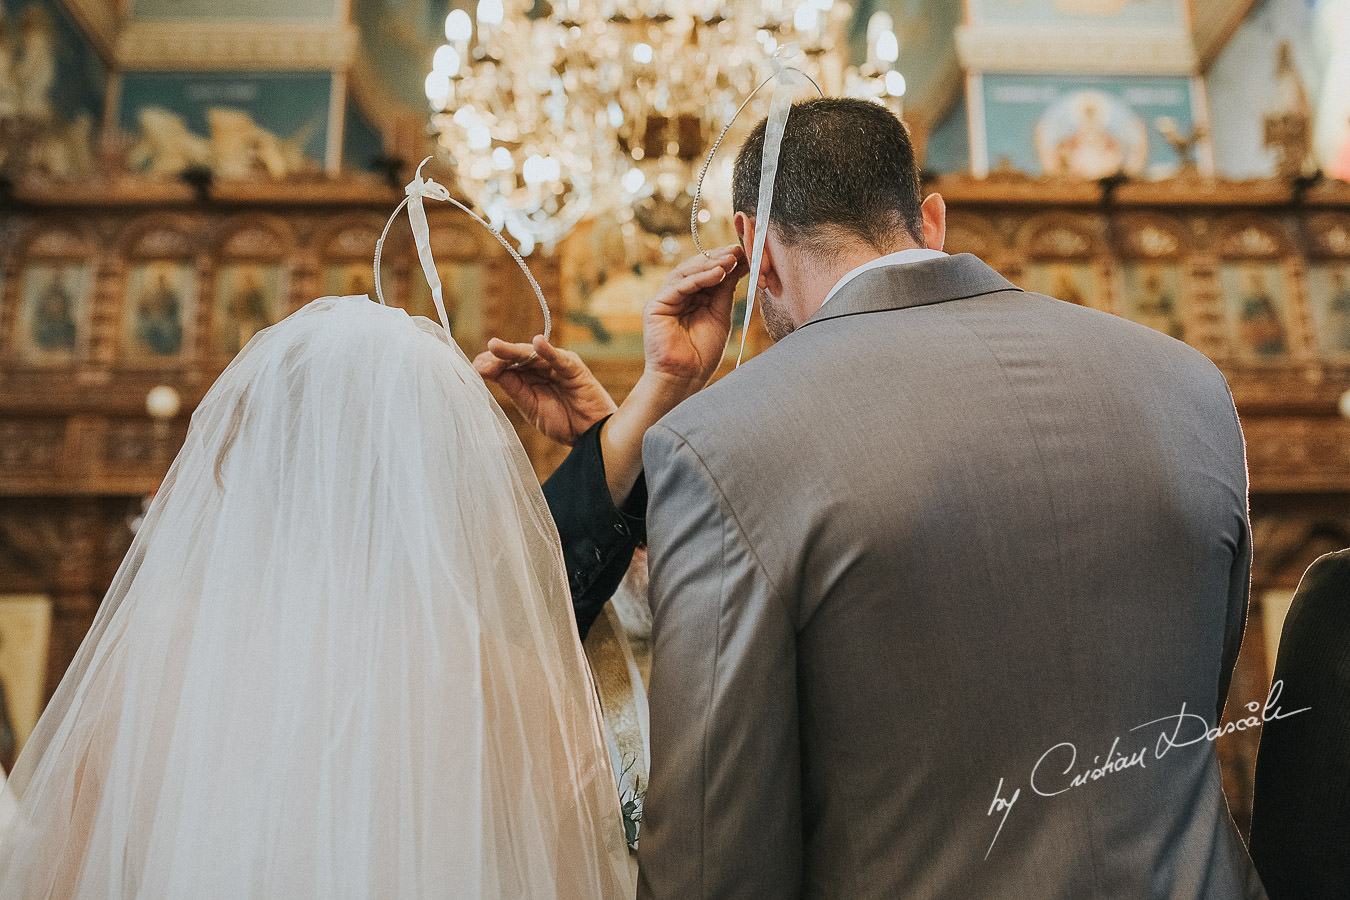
(945, 531)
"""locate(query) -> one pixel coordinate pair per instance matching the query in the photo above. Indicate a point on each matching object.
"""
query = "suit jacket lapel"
(913, 284)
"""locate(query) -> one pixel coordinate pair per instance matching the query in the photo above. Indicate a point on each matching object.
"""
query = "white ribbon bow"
(416, 190)
(424, 188)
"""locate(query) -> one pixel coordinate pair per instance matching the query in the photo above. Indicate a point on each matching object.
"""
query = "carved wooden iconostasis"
(103, 299)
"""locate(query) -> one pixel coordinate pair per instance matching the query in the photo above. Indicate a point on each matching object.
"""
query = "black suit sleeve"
(598, 538)
(1301, 804)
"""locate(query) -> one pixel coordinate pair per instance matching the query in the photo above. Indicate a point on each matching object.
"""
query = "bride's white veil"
(339, 660)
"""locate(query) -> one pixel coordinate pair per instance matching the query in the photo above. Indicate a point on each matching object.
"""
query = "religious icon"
(608, 314)
(462, 289)
(159, 300)
(1329, 292)
(1091, 134)
(1152, 297)
(52, 311)
(1255, 299)
(355, 279)
(248, 299)
(25, 627)
(1071, 282)
(610, 270)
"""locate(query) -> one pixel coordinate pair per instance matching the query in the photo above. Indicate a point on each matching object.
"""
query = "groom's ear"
(770, 274)
(933, 211)
(771, 266)
(745, 232)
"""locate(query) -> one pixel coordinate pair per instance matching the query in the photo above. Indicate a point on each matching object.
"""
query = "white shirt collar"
(899, 258)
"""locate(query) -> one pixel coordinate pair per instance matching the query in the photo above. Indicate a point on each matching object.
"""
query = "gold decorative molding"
(246, 46)
(1330, 234)
(1261, 239)
(1060, 235)
(1075, 50)
(162, 242)
(58, 243)
(1300, 454)
(256, 238)
(970, 235)
(1152, 241)
(31, 446)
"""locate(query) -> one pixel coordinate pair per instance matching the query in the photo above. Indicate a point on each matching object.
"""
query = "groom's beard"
(776, 320)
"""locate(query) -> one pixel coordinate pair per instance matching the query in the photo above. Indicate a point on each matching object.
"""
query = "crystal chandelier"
(552, 112)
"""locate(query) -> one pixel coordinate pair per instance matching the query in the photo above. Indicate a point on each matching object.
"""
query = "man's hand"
(552, 388)
(686, 325)
(684, 334)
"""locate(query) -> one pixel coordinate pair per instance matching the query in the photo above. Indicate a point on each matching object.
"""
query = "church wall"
(361, 140)
(1243, 86)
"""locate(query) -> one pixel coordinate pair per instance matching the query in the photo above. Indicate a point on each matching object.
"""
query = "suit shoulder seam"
(731, 510)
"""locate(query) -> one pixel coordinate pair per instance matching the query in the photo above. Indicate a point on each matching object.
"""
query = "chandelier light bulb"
(458, 26)
(163, 402)
(642, 53)
(490, 12)
(804, 19)
(437, 89)
(501, 159)
(895, 84)
(535, 170)
(633, 180)
(479, 137)
(888, 48)
(446, 61)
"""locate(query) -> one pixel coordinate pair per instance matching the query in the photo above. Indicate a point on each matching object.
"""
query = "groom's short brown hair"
(845, 165)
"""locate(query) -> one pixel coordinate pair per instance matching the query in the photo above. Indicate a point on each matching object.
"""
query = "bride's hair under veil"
(338, 660)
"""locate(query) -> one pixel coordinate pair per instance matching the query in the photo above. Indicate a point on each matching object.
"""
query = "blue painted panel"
(290, 106)
(1084, 125)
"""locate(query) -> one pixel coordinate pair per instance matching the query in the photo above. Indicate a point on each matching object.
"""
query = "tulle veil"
(339, 659)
